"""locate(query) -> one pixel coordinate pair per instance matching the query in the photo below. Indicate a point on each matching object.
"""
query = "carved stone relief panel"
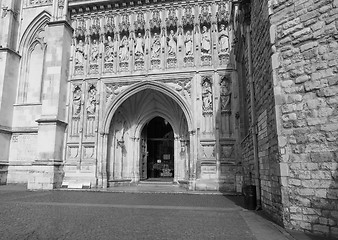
(73, 152)
(88, 151)
(208, 149)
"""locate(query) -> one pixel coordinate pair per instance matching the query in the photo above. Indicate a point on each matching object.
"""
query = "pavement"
(144, 212)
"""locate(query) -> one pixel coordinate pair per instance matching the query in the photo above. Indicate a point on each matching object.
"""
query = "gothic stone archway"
(125, 141)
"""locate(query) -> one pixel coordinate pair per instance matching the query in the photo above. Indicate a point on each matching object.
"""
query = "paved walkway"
(130, 215)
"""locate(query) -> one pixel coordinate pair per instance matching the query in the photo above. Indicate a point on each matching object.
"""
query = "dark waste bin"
(250, 197)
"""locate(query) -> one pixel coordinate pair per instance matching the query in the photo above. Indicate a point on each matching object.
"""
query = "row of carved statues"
(122, 47)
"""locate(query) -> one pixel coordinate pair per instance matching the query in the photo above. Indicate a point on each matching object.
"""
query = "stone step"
(76, 184)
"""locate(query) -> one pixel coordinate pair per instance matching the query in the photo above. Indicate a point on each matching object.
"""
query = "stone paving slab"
(131, 215)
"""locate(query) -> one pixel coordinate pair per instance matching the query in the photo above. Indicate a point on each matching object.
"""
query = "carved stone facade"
(108, 70)
(85, 86)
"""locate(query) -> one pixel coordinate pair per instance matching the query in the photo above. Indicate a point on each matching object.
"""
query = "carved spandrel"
(183, 87)
(112, 90)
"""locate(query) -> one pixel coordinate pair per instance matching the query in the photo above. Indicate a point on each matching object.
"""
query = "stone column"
(47, 170)
(9, 68)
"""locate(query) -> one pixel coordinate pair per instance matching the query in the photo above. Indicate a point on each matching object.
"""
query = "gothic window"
(32, 48)
(34, 71)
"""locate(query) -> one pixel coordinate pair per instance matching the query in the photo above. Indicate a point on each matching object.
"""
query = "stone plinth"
(44, 176)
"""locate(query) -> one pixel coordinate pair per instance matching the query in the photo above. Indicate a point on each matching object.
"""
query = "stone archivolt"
(139, 39)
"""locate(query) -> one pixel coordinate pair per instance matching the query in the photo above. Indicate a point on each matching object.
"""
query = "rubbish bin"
(250, 197)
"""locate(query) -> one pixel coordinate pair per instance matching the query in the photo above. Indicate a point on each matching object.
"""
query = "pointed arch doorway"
(132, 124)
(157, 150)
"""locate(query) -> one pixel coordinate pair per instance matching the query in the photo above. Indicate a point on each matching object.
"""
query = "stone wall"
(263, 126)
(304, 37)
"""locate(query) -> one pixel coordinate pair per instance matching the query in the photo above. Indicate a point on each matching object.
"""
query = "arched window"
(35, 62)
(32, 48)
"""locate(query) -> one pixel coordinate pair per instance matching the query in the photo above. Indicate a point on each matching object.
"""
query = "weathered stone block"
(321, 228)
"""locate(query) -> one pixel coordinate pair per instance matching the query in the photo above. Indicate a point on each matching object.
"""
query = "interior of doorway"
(158, 163)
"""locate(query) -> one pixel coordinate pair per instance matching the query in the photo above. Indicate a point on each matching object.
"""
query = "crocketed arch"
(32, 47)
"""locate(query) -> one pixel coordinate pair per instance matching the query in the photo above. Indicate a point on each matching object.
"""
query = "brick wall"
(305, 62)
(264, 108)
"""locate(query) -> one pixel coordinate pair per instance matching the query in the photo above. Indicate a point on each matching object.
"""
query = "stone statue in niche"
(124, 49)
(76, 101)
(205, 41)
(188, 44)
(94, 52)
(91, 102)
(207, 96)
(109, 57)
(172, 47)
(79, 53)
(156, 46)
(225, 95)
(139, 45)
(223, 40)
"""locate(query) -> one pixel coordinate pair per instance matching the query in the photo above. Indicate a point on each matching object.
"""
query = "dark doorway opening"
(160, 150)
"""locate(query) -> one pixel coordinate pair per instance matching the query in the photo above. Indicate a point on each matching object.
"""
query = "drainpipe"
(253, 115)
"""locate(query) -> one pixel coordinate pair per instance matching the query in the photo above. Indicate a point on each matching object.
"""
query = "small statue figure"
(124, 50)
(225, 93)
(205, 41)
(79, 53)
(91, 102)
(156, 46)
(188, 44)
(109, 57)
(94, 52)
(207, 96)
(172, 44)
(223, 40)
(139, 44)
(77, 101)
